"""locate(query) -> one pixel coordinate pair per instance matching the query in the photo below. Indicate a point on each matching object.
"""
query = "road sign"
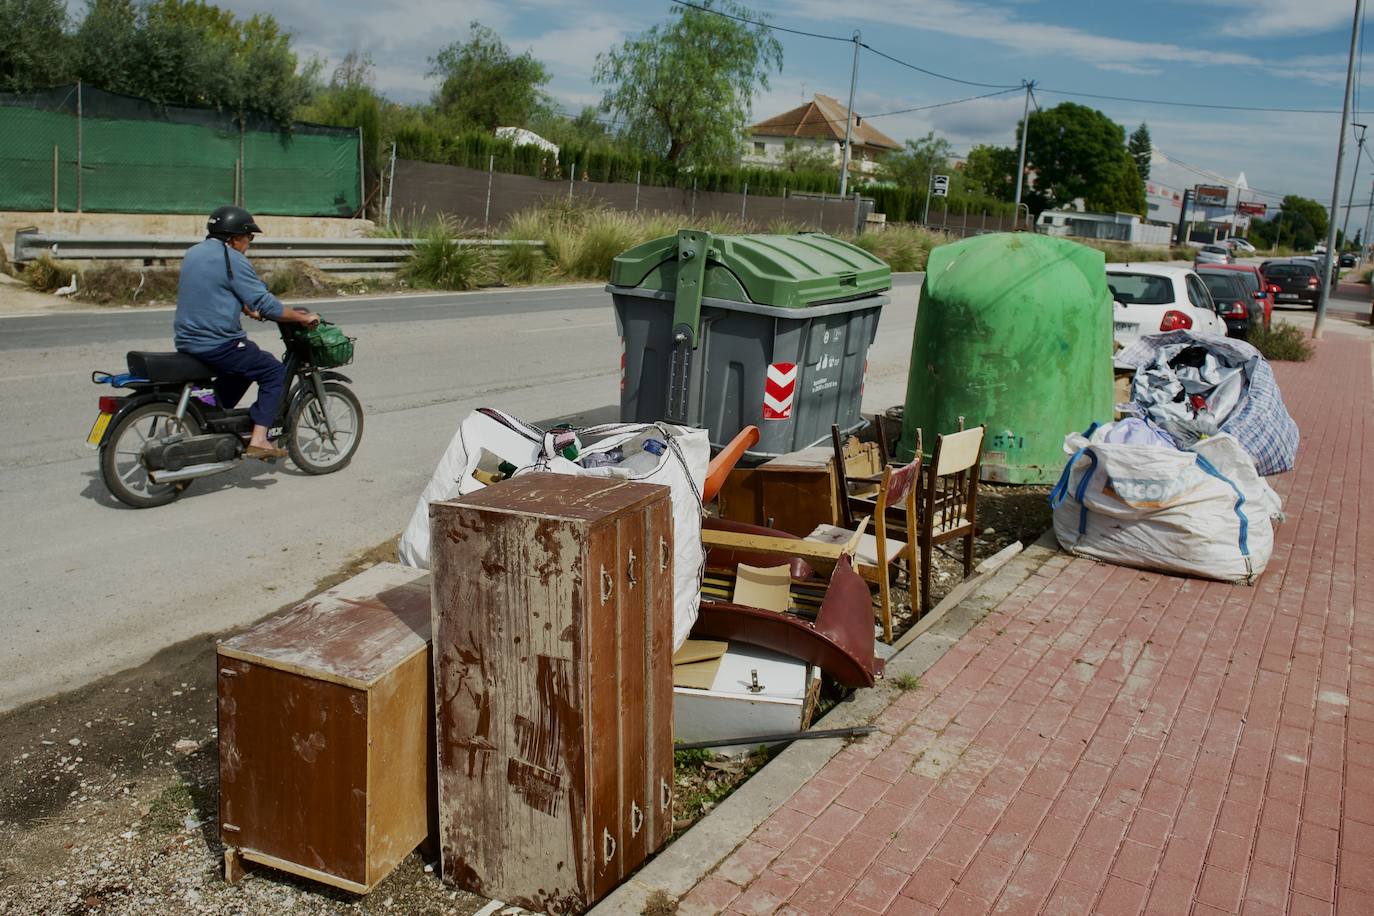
(939, 186)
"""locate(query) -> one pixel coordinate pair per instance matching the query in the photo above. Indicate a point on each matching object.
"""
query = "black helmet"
(227, 222)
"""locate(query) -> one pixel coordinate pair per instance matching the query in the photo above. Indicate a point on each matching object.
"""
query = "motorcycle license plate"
(102, 423)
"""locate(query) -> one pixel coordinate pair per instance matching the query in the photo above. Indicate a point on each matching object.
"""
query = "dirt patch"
(109, 802)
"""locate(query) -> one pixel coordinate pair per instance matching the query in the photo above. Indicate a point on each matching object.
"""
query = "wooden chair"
(948, 506)
(856, 493)
(877, 553)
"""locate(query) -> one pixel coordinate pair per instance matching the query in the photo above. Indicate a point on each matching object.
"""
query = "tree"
(1141, 150)
(912, 166)
(351, 101)
(806, 157)
(683, 90)
(183, 52)
(584, 129)
(991, 170)
(1075, 152)
(33, 44)
(483, 85)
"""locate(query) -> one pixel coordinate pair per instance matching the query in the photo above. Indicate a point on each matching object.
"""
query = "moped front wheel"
(323, 437)
(121, 457)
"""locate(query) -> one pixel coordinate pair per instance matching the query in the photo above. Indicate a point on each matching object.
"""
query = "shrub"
(440, 262)
(46, 274)
(902, 247)
(111, 284)
(520, 264)
(296, 278)
(1281, 341)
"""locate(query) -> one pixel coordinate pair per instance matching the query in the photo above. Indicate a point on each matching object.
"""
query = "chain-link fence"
(78, 149)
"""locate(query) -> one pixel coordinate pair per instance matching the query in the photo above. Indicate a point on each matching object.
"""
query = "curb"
(694, 855)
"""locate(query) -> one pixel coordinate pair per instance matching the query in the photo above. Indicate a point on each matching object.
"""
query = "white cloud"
(1266, 18)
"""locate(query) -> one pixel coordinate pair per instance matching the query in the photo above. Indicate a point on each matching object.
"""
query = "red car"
(1255, 283)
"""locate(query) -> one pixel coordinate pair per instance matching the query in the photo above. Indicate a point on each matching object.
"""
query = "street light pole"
(849, 116)
(1354, 178)
(1025, 129)
(1327, 274)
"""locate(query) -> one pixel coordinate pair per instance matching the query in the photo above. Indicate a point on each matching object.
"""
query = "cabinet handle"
(607, 585)
(663, 555)
(607, 846)
(636, 818)
(630, 570)
(665, 794)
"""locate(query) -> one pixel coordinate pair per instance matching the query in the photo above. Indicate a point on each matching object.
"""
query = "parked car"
(1239, 245)
(1151, 298)
(1236, 306)
(1213, 254)
(1258, 288)
(1350, 259)
(1297, 281)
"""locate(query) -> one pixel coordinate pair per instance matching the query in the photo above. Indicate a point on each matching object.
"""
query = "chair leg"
(926, 550)
(968, 555)
(885, 602)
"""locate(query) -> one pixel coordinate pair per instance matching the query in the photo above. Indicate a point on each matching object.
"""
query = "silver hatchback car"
(1213, 254)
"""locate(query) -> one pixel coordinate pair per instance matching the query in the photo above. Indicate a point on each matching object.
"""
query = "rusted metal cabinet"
(325, 733)
(553, 683)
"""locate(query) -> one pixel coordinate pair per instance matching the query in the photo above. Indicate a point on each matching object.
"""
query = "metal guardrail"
(372, 253)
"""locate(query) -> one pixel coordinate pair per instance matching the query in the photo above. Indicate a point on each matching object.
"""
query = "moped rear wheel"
(121, 457)
(318, 447)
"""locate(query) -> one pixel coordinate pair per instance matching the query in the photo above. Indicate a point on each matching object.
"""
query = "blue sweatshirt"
(210, 302)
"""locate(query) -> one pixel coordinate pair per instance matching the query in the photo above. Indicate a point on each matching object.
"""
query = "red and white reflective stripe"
(622, 364)
(778, 391)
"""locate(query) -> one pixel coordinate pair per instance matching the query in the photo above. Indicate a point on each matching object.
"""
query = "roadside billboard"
(1210, 195)
(1252, 208)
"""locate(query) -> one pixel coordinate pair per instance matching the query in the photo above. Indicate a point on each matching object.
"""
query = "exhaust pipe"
(189, 473)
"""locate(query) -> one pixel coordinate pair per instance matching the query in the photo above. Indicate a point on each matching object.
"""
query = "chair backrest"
(957, 451)
(898, 483)
(952, 482)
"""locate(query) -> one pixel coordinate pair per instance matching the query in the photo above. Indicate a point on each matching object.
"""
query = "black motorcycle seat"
(168, 367)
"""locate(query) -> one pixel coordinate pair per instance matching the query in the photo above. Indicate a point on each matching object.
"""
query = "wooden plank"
(304, 871)
(767, 587)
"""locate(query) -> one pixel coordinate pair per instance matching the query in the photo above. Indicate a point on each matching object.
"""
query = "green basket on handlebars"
(329, 346)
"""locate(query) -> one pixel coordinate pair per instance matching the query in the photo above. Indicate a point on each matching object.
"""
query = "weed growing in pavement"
(1283, 342)
(905, 682)
(702, 779)
(659, 904)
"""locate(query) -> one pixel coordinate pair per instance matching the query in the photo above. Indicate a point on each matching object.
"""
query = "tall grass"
(440, 262)
(903, 247)
(45, 274)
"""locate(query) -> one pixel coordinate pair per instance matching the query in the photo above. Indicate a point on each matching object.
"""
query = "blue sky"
(1265, 53)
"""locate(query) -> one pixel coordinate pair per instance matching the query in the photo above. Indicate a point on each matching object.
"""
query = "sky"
(1266, 54)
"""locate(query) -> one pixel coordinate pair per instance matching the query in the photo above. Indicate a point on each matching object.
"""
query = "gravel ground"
(108, 794)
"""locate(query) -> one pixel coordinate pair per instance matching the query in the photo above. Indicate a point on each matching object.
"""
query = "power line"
(766, 25)
(1167, 102)
(971, 98)
(911, 66)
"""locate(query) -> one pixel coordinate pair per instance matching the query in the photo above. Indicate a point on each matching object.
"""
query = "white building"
(819, 124)
(1116, 227)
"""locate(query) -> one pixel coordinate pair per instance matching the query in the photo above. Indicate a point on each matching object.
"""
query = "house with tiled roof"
(819, 124)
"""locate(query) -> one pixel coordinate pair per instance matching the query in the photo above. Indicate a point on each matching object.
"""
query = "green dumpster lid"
(788, 271)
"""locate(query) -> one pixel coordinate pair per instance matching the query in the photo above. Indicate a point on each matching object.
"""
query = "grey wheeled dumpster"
(721, 332)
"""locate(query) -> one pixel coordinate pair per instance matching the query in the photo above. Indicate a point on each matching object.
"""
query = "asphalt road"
(91, 587)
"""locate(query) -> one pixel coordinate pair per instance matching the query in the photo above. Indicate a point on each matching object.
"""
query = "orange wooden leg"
(234, 870)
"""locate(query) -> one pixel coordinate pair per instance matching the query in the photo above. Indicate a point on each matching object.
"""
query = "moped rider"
(218, 285)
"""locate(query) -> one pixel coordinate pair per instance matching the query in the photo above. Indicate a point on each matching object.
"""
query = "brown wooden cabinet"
(326, 733)
(553, 676)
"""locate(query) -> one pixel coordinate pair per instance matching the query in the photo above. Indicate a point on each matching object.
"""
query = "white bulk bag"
(1155, 507)
(488, 437)
(484, 439)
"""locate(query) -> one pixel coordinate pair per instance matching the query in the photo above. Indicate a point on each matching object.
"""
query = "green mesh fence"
(137, 157)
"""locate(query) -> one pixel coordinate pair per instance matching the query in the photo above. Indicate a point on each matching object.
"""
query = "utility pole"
(1328, 276)
(1368, 219)
(1354, 177)
(849, 117)
(1025, 129)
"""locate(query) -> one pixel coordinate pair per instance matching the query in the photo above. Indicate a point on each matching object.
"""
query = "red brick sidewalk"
(1113, 741)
